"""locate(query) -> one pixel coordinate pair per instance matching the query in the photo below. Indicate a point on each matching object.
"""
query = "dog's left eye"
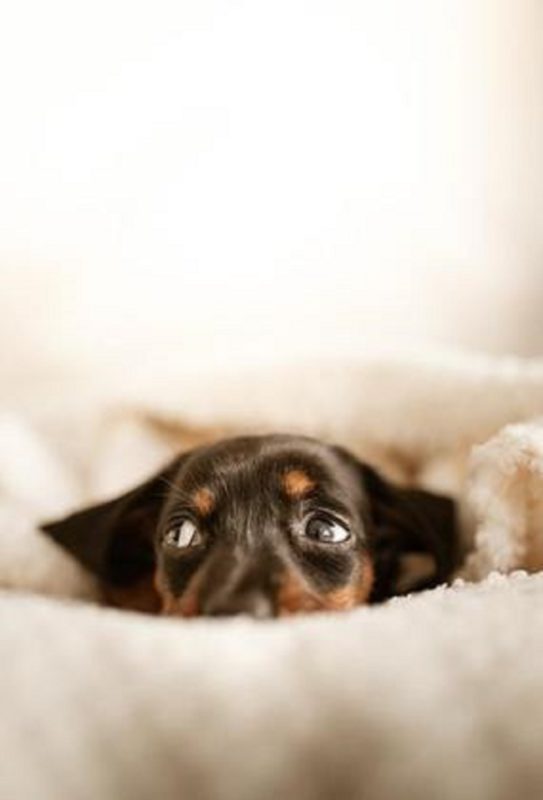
(326, 531)
(186, 534)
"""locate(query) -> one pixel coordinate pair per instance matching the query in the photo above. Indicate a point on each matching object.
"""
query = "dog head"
(264, 525)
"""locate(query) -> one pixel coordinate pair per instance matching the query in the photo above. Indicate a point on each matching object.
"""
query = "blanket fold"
(438, 694)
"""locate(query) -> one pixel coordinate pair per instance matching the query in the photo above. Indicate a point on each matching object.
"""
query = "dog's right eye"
(326, 531)
(183, 535)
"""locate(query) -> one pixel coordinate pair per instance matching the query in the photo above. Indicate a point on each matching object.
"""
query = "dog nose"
(254, 603)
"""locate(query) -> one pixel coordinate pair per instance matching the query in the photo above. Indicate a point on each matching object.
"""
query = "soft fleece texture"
(436, 695)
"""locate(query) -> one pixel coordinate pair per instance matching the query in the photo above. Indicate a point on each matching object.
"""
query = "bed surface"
(437, 695)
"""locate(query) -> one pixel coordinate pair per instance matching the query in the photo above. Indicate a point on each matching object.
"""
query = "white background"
(228, 181)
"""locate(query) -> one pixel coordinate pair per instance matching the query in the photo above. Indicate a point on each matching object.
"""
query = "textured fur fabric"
(505, 495)
(435, 695)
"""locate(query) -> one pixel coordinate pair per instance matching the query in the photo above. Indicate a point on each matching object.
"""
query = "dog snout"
(253, 603)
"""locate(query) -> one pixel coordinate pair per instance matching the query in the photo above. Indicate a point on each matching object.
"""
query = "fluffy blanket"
(435, 695)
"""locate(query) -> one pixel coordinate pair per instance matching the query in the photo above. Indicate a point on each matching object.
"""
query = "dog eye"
(184, 535)
(326, 531)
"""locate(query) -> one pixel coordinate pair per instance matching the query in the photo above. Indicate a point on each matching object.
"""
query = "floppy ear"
(115, 541)
(414, 537)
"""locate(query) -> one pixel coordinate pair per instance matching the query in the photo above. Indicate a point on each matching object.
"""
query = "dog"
(262, 525)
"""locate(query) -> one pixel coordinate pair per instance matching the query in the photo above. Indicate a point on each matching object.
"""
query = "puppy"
(261, 525)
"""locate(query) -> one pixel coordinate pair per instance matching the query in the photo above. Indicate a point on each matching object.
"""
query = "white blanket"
(436, 695)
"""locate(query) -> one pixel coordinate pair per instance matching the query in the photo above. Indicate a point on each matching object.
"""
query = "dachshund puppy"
(263, 525)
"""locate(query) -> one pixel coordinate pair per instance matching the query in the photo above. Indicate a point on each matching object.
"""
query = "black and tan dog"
(267, 526)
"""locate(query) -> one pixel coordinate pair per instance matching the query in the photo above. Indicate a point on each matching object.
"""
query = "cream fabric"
(435, 695)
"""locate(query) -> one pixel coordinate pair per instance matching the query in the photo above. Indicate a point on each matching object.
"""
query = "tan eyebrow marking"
(204, 500)
(297, 483)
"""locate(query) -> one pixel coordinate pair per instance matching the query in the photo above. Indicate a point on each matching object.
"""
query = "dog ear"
(115, 540)
(414, 536)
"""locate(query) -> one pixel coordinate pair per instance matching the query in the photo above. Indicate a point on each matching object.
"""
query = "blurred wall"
(233, 180)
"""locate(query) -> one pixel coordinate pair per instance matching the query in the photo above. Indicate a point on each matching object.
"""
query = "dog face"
(267, 526)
